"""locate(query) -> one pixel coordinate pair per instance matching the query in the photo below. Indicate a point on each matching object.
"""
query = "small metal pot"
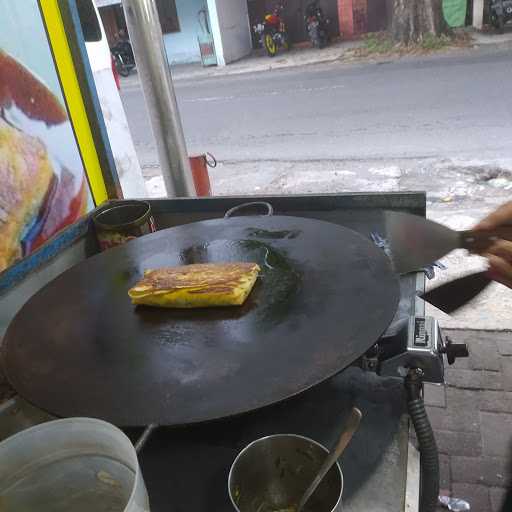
(122, 221)
(272, 473)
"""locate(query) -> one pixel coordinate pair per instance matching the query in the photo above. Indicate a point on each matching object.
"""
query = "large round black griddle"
(80, 348)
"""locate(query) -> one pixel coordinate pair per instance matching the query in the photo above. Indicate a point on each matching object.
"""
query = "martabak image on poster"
(43, 185)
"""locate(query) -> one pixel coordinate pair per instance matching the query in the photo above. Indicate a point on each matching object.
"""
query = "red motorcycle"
(272, 32)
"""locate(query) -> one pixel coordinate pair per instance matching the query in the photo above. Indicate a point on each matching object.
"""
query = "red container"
(199, 167)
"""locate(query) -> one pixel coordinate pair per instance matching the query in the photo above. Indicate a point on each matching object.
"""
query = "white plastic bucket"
(74, 464)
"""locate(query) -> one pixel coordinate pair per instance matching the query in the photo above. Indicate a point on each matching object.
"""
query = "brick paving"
(472, 419)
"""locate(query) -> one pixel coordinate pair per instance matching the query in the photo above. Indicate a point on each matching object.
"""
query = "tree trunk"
(414, 19)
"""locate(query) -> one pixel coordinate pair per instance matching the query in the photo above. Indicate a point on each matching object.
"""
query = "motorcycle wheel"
(286, 43)
(120, 67)
(270, 45)
(324, 38)
(124, 71)
(314, 36)
(501, 24)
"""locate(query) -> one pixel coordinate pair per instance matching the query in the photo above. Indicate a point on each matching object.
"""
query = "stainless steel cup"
(272, 473)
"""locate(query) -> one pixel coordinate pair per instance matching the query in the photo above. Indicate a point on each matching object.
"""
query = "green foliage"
(433, 42)
(378, 42)
(382, 43)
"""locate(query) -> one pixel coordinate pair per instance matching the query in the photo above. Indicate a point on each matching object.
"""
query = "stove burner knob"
(454, 350)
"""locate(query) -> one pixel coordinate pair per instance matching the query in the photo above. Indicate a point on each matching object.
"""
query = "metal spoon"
(352, 425)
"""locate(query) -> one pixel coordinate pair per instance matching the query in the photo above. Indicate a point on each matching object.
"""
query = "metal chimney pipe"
(155, 77)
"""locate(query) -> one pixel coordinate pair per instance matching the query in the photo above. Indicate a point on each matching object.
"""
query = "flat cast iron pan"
(80, 348)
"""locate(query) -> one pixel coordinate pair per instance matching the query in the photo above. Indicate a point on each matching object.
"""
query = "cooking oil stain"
(273, 235)
(280, 277)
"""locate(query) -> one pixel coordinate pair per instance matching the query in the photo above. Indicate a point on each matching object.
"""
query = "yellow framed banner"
(73, 95)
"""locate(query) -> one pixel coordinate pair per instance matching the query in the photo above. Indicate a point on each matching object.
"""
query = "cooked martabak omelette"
(196, 286)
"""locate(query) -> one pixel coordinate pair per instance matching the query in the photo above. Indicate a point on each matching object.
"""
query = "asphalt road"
(448, 106)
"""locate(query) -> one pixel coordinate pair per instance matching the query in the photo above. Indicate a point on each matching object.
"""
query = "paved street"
(442, 106)
(472, 419)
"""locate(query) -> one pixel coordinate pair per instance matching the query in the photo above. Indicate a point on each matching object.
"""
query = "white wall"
(182, 47)
(121, 143)
(478, 14)
(230, 28)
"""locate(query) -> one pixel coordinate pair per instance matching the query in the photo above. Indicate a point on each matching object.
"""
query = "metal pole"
(155, 77)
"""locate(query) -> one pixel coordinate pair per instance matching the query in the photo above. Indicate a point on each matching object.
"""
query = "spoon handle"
(352, 425)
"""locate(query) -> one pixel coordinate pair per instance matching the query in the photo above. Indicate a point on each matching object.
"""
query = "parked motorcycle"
(272, 32)
(317, 25)
(500, 12)
(123, 57)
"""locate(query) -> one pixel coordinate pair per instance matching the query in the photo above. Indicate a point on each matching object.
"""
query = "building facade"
(188, 25)
(224, 27)
(293, 15)
(349, 18)
(358, 17)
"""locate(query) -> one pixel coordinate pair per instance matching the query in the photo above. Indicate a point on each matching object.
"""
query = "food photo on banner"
(43, 184)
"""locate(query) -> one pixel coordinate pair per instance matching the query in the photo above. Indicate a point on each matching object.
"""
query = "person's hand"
(500, 254)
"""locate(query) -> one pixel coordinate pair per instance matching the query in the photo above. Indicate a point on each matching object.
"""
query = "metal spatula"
(416, 242)
(451, 296)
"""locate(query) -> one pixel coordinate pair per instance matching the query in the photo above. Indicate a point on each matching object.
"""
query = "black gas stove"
(412, 340)
(187, 468)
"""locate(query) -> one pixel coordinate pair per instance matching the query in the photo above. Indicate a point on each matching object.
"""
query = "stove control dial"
(454, 350)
